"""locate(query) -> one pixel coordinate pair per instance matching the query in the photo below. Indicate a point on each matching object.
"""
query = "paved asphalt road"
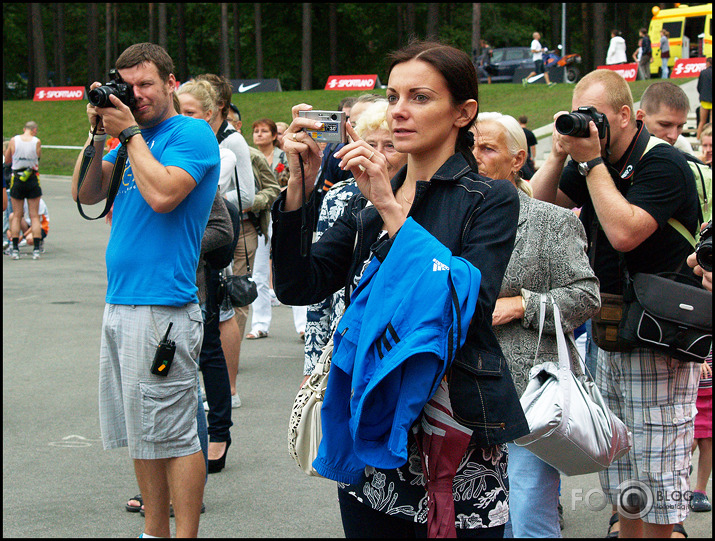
(57, 480)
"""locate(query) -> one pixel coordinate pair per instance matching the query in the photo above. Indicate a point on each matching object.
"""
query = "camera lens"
(704, 254)
(574, 124)
(99, 97)
(333, 117)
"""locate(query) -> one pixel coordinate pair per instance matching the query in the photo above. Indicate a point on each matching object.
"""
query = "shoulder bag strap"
(240, 214)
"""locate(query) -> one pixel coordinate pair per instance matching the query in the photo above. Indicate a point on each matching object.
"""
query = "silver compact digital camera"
(333, 130)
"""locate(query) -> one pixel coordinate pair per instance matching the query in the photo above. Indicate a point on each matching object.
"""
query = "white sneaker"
(235, 401)
(36, 254)
(22, 243)
(16, 254)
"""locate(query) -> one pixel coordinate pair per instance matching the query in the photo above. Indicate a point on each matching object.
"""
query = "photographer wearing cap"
(627, 196)
(152, 327)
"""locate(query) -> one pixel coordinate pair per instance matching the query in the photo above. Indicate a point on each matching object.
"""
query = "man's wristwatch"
(127, 134)
(585, 167)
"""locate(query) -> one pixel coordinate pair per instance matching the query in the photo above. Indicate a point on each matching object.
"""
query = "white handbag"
(571, 427)
(304, 428)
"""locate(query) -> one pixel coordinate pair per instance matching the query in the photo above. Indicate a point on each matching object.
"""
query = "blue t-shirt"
(152, 257)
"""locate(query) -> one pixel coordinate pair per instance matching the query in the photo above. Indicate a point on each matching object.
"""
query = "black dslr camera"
(575, 123)
(704, 249)
(99, 97)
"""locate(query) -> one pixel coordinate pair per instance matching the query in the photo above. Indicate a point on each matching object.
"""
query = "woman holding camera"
(433, 101)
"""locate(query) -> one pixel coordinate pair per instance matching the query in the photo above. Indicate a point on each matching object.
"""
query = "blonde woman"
(549, 257)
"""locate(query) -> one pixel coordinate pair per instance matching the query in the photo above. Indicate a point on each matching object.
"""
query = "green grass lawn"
(65, 123)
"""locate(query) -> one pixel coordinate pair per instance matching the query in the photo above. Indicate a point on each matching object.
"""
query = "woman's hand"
(507, 309)
(369, 168)
(297, 142)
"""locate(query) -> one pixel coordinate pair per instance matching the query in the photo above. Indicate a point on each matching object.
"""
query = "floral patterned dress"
(480, 488)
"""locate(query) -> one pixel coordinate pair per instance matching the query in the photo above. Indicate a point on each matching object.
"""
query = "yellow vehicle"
(690, 33)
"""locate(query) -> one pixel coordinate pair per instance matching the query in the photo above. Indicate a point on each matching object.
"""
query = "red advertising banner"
(351, 82)
(687, 67)
(627, 71)
(59, 93)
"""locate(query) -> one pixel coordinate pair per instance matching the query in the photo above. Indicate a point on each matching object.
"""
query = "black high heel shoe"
(218, 464)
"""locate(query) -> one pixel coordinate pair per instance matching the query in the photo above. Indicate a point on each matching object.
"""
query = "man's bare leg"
(187, 478)
(154, 488)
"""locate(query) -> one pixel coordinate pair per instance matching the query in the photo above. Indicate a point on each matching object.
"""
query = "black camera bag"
(669, 316)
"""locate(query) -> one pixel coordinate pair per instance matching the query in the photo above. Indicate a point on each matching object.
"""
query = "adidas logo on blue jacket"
(406, 320)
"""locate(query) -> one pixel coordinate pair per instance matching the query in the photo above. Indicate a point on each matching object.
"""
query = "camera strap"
(117, 174)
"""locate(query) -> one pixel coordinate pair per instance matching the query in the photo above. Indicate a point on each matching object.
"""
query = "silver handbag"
(304, 428)
(571, 427)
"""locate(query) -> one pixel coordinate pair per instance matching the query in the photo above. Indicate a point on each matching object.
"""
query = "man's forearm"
(625, 225)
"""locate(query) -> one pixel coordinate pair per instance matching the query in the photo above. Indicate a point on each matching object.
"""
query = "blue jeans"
(591, 350)
(533, 496)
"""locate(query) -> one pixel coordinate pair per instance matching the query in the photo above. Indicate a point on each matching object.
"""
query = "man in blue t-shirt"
(633, 193)
(158, 219)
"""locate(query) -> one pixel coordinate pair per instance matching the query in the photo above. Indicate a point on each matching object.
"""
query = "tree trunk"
(39, 45)
(60, 64)
(163, 41)
(259, 40)
(333, 30)
(432, 21)
(107, 37)
(599, 33)
(181, 67)
(152, 24)
(307, 68)
(115, 33)
(93, 73)
(476, 30)
(224, 68)
(587, 48)
(411, 17)
(236, 41)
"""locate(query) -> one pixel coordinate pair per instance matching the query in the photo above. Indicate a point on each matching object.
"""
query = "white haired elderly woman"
(322, 317)
(549, 257)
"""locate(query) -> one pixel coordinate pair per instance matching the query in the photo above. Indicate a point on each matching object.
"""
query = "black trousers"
(212, 364)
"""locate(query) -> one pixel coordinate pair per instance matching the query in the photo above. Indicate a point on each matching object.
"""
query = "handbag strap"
(564, 363)
(562, 349)
(240, 209)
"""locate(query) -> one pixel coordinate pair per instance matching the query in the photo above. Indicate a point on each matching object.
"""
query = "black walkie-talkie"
(164, 355)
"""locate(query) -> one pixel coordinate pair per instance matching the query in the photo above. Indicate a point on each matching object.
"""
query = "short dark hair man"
(633, 196)
(159, 217)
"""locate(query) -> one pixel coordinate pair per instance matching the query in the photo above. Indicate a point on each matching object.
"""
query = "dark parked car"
(505, 61)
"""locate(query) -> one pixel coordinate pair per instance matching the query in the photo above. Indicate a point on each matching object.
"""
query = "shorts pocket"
(168, 409)
(667, 435)
(196, 331)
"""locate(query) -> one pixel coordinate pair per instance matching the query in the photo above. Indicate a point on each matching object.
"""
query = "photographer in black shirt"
(633, 191)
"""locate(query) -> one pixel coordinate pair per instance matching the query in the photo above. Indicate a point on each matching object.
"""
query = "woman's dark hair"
(460, 74)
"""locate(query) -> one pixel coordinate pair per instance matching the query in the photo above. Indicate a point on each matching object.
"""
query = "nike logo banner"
(241, 86)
